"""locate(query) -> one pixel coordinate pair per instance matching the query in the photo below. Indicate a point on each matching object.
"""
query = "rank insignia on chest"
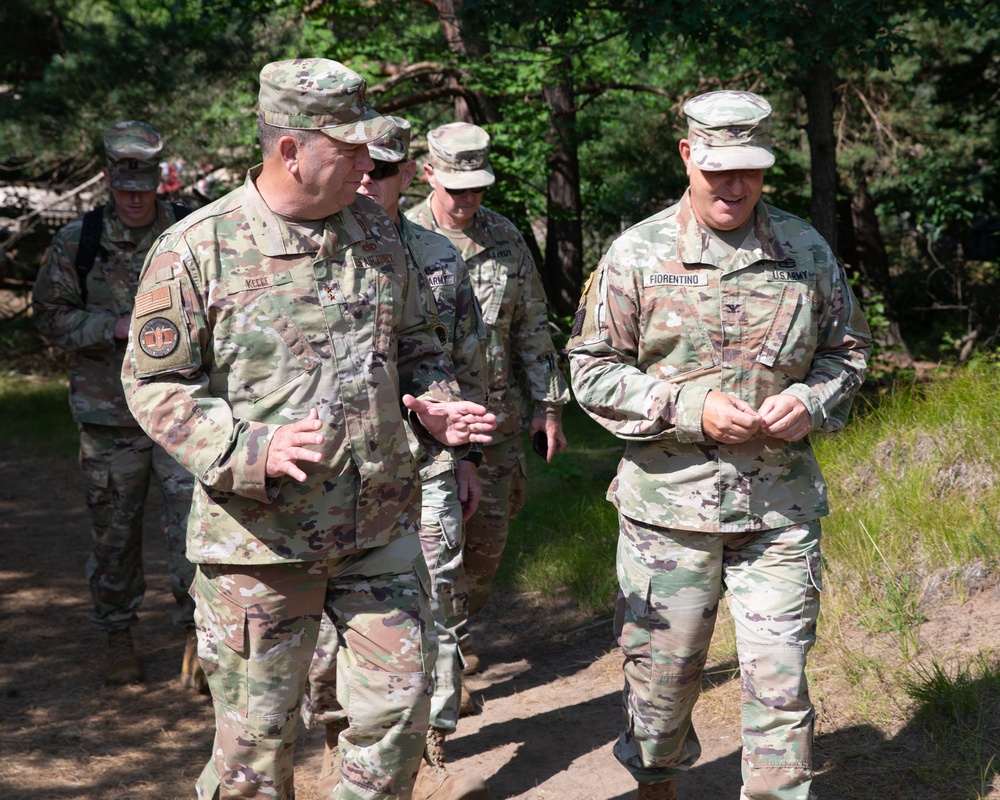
(675, 279)
(158, 338)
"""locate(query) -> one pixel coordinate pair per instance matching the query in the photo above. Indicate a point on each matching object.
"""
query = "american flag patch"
(156, 300)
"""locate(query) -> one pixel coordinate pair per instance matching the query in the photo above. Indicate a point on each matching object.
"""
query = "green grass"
(34, 412)
(565, 537)
(915, 488)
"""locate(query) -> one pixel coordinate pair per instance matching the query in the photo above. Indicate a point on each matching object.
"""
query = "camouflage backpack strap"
(90, 246)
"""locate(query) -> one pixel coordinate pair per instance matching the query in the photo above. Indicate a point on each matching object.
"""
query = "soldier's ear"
(409, 171)
(289, 149)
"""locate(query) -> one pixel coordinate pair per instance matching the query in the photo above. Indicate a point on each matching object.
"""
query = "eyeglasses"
(383, 169)
(473, 189)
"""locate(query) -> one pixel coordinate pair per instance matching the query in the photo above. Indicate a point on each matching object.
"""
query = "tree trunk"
(480, 110)
(562, 272)
(863, 248)
(817, 86)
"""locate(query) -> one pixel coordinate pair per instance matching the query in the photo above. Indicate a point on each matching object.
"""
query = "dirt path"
(550, 704)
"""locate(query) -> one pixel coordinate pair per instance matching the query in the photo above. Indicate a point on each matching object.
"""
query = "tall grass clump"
(915, 489)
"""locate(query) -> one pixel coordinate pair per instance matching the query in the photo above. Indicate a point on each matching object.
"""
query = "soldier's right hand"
(728, 419)
(287, 447)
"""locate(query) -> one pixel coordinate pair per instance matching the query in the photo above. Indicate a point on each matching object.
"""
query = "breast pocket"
(361, 304)
(263, 349)
(491, 297)
(790, 340)
(675, 337)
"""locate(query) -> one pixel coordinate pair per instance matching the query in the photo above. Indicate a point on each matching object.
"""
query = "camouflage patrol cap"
(395, 145)
(132, 156)
(319, 94)
(460, 155)
(729, 130)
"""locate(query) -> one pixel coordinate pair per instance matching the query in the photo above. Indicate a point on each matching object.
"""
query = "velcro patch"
(151, 301)
(791, 275)
(441, 279)
(158, 337)
(675, 279)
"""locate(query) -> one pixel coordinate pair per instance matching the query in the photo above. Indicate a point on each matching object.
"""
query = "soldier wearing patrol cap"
(82, 302)
(522, 364)
(714, 337)
(275, 332)
(450, 489)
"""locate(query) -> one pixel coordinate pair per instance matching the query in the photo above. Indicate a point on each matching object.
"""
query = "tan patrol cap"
(132, 156)
(393, 146)
(319, 94)
(729, 130)
(460, 155)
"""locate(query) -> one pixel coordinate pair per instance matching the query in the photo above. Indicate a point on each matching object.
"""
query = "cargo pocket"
(635, 637)
(223, 641)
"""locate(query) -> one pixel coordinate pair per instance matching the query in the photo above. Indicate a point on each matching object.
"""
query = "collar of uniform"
(472, 240)
(692, 240)
(118, 232)
(272, 236)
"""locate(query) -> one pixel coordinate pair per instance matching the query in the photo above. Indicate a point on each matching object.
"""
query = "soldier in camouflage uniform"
(90, 320)
(714, 337)
(273, 336)
(450, 488)
(519, 351)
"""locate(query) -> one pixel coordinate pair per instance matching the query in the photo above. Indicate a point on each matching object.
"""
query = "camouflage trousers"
(117, 464)
(503, 478)
(441, 542)
(671, 585)
(257, 629)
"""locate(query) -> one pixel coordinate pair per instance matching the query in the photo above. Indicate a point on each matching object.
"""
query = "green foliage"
(915, 496)
(565, 537)
(35, 414)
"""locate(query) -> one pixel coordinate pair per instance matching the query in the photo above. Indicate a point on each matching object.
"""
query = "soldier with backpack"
(82, 302)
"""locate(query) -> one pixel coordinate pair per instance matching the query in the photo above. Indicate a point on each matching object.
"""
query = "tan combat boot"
(467, 706)
(192, 675)
(329, 773)
(657, 791)
(471, 661)
(121, 666)
(434, 782)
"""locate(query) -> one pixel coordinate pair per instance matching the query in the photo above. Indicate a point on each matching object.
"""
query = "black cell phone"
(540, 444)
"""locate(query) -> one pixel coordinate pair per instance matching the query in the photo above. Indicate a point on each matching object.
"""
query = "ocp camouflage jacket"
(672, 313)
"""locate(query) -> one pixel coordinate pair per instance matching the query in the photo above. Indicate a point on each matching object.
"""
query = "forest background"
(887, 126)
(886, 119)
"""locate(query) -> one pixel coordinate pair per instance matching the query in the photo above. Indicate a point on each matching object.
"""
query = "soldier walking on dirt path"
(715, 337)
(522, 363)
(82, 302)
(449, 488)
(274, 335)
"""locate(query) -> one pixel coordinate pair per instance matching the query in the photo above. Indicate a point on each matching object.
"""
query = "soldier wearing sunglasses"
(450, 491)
(522, 367)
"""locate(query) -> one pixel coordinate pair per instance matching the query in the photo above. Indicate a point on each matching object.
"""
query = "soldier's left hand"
(554, 436)
(469, 488)
(784, 417)
(453, 423)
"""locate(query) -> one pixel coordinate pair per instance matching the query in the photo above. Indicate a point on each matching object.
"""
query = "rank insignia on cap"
(159, 337)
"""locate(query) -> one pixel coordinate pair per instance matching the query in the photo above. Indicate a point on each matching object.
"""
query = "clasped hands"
(728, 419)
(451, 423)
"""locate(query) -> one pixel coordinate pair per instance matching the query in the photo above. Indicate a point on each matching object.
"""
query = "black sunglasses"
(383, 169)
(473, 189)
